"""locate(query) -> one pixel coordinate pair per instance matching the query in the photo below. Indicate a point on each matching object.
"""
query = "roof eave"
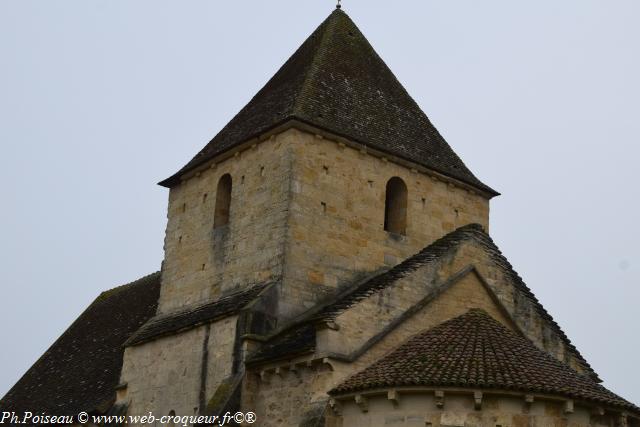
(348, 394)
(304, 125)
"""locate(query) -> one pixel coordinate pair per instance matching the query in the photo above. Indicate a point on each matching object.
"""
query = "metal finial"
(339, 6)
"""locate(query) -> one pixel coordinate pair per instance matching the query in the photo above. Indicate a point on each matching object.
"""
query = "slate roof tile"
(166, 324)
(80, 371)
(294, 342)
(337, 82)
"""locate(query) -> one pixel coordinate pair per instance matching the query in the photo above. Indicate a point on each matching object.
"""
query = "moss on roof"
(337, 82)
(81, 370)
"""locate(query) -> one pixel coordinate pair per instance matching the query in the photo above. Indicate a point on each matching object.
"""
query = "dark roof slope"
(476, 351)
(171, 323)
(361, 291)
(80, 371)
(337, 82)
(293, 342)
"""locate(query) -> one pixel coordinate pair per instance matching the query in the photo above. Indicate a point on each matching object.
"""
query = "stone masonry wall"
(297, 394)
(306, 212)
(290, 395)
(305, 209)
(167, 374)
(368, 317)
(420, 410)
(365, 320)
(200, 262)
(287, 399)
(522, 309)
(336, 226)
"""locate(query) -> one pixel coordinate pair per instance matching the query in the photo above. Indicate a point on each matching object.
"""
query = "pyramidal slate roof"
(337, 82)
(81, 370)
(475, 350)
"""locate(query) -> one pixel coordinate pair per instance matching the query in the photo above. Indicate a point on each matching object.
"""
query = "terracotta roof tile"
(476, 351)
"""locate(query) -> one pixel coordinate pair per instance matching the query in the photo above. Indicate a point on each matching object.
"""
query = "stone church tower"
(327, 263)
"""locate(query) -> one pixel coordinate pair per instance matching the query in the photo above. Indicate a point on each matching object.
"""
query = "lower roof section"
(81, 370)
(476, 351)
(171, 323)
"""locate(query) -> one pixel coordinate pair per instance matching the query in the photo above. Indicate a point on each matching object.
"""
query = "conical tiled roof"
(337, 82)
(476, 351)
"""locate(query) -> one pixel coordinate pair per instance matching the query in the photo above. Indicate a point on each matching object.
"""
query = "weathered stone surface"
(294, 245)
(202, 263)
(419, 409)
(339, 244)
(305, 210)
(379, 323)
(181, 372)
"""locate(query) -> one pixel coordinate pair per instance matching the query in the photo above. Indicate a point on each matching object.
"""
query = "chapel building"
(327, 263)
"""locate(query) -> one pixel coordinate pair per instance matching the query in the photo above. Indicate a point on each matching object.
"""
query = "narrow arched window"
(172, 419)
(223, 202)
(395, 206)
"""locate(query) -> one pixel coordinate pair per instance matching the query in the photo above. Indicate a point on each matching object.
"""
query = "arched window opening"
(172, 421)
(395, 206)
(223, 202)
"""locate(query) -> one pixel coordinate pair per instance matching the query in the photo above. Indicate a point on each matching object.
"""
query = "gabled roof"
(299, 337)
(81, 370)
(476, 351)
(337, 82)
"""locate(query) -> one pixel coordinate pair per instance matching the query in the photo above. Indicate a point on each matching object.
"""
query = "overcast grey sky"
(99, 100)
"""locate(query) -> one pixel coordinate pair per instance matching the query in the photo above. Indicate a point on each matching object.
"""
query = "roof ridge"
(319, 52)
(502, 261)
(119, 288)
